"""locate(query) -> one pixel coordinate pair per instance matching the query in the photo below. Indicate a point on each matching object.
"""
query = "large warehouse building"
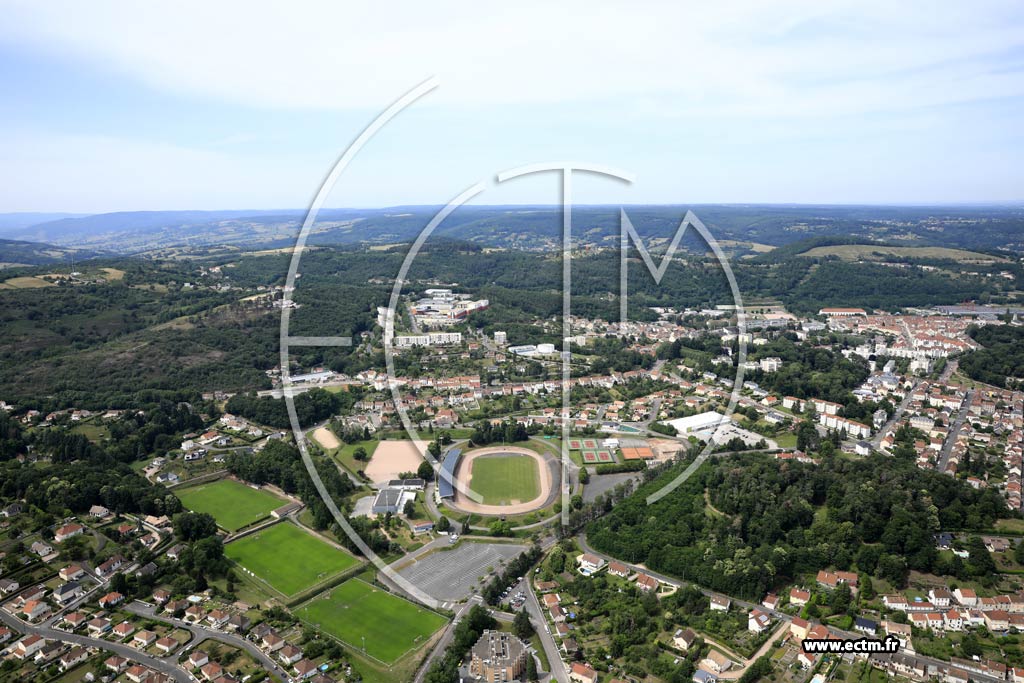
(698, 422)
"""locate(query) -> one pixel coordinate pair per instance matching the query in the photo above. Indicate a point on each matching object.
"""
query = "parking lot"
(363, 507)
(454, 574)
(729, 431)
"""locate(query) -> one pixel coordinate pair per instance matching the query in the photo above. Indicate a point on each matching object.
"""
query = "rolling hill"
(15, 253)
(979, 228)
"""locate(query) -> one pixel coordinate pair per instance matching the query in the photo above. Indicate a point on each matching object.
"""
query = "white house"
(588, 563)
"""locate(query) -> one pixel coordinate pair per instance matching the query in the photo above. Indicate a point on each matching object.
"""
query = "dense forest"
(311, 407)
(784, 519)
(1001, 361)
(505, 432)
(79, 476)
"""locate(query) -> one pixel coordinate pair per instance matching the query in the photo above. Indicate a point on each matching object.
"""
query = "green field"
(94, 430)
(393, 626)
(344, 454)
(233, 504)
(785, 440)
(288, 558)
(502, 480)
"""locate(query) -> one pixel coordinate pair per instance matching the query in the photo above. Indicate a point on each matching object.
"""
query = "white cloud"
(798, 58)
(798, 100)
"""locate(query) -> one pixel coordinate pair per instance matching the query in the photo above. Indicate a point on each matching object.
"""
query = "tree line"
(780, 520)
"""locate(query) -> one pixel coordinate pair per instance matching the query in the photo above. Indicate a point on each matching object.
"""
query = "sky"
(113, 106)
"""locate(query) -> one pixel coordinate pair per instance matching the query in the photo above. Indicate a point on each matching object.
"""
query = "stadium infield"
(496, 482)
(233, 504)
(505, 479)
(392, 626)
(287, 558)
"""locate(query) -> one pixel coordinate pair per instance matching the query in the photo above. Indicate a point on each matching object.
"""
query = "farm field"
(233, 504)
(26, 282)
(392, 625)
(854, 252)
(288, 558)
(506, 479)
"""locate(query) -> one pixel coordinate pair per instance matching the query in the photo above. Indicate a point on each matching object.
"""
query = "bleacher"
(445, 487)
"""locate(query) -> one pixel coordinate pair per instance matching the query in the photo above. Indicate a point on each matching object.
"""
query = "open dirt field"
(465, 474)
(326, 438)
(393, 457)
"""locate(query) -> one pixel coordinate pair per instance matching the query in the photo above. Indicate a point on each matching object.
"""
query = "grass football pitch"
(288, 558)
(500, 480)
(392, 626)
(233, 504)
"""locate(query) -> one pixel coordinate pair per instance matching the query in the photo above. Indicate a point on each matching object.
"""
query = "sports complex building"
(697, 423)
(445, 486)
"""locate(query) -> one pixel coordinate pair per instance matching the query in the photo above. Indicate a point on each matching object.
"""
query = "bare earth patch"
(326, 438)
(391, 458)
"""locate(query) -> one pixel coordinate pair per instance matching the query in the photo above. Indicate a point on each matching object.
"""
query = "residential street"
(446, 637)
(954, 430)
(201, 634)
(539, 622)
(166, 666)
(876, 440)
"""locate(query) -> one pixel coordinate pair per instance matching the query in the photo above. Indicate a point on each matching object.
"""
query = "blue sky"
(116, 106)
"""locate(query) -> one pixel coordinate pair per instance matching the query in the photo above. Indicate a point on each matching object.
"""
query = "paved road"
(201, 634)
(446, 638)
(958, 423)
(876, 440)
(47, 631)
(547, 640)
